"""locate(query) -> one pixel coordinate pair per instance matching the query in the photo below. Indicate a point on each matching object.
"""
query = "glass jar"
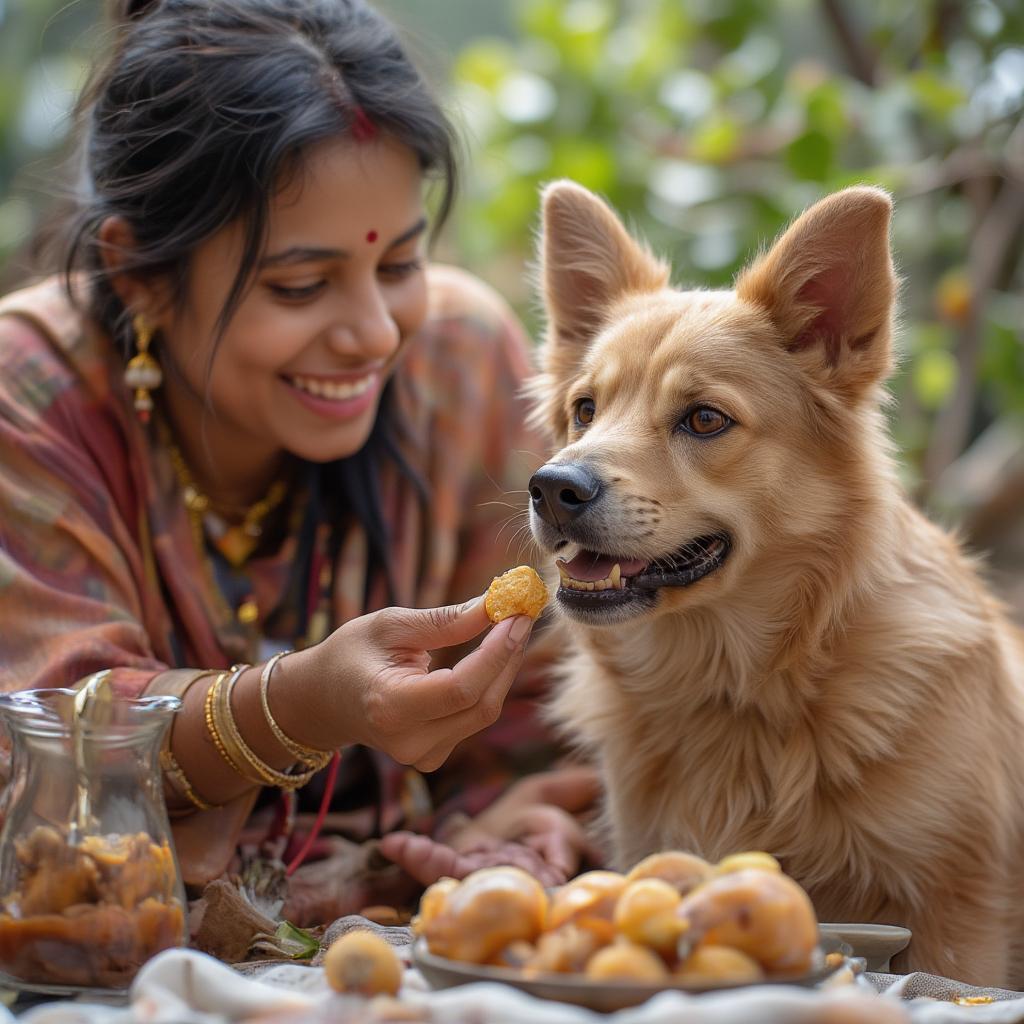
(89, 883)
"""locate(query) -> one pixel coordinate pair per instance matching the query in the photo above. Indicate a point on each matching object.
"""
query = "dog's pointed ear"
(828, 285)
(588, 261)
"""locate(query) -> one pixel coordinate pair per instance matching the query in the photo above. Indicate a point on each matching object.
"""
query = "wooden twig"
(998, 229)
(860, 59)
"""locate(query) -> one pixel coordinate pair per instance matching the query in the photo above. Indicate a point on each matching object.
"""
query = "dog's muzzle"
(562, 492)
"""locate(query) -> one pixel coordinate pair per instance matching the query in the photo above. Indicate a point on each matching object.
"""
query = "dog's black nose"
(561, 492)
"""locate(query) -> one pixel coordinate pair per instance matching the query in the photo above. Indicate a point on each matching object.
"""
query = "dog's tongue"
(589, 566)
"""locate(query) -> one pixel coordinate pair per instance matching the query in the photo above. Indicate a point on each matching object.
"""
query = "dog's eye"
(583, 411)
(705, 421)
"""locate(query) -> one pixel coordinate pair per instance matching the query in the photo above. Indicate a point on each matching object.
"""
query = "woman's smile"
(336, 397)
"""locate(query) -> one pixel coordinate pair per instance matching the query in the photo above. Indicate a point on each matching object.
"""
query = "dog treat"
(364, 963)
(674, 918)
(519, 591)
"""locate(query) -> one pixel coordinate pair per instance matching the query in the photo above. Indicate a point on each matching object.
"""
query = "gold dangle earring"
(143, 371)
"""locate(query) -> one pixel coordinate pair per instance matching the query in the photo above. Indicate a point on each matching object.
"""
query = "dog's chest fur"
(831, 774)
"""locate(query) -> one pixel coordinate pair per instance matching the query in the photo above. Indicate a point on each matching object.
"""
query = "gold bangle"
(309, 756)
(182, 683)
(180, 782)
(240, 751)
(211, 723)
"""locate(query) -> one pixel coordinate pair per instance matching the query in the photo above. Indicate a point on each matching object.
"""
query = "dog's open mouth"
(595, 581)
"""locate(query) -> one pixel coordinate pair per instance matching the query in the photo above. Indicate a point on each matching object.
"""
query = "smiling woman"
(253, 419)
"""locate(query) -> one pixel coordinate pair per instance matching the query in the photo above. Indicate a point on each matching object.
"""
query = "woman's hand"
(533, 826)
(370, 682)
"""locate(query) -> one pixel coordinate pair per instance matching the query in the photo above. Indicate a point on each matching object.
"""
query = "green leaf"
(592, 164)
(826, 109)
(485, 63)
(716, 140)
(936, 95)
(810, 156)
(935, 374)
(294, 942)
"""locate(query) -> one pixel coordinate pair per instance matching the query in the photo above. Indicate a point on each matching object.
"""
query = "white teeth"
(334, 390)
(613, 581)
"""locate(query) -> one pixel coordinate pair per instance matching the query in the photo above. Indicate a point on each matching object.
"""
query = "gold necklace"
(236, 541)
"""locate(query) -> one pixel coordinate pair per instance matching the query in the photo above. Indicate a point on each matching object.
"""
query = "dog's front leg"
(957, 936)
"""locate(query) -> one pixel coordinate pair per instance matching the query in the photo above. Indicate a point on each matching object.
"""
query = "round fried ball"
(748, 859)
(519, 591)
(685, 871)
(626, 962)
(488, 910)
(762, 913)
(709, 965)
(364, 963)
(646, 914)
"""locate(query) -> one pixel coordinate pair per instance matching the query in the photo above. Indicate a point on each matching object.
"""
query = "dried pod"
(487, 911)
(763, 913)
(683, 870)
(364, 963)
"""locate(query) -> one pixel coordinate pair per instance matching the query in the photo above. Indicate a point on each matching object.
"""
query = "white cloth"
(186, 987)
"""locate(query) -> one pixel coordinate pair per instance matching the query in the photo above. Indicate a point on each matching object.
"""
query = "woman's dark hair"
(208, 106)
(205, 109)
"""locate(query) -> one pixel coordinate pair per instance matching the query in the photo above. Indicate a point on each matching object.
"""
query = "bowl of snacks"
(607, 940)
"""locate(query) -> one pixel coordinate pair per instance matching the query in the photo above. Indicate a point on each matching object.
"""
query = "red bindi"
(371, 236)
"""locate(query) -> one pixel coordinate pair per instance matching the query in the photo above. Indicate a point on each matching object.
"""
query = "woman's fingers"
(430, 629)
(422, 858)
(452, 729)
(474, 687)
(573, 788)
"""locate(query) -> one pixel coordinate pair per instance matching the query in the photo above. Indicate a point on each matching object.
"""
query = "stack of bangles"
(224, 731)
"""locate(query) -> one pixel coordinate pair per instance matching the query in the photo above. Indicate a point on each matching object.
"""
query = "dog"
(771, 648)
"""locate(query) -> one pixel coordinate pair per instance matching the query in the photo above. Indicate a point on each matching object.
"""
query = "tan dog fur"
(843, 691)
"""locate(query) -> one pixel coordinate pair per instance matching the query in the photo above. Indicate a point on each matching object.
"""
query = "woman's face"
(340, 285)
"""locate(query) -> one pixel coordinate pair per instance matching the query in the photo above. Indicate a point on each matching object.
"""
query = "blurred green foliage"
(708, 124)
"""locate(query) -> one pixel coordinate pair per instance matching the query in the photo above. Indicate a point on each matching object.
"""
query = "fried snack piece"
(626, 962)
(762, 913)
(490, 909)
(748, 859)
(563, 951)
(587, 898)
(519, 591)
(432, 903)
(646, 915)
(683, 870)
(364, 963)
(709, 965)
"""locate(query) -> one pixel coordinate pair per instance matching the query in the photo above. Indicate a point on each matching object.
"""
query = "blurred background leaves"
(709, 124)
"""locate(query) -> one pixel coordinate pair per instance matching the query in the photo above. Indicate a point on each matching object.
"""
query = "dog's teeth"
(615, 577)
(561, 563)
(601, 584)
